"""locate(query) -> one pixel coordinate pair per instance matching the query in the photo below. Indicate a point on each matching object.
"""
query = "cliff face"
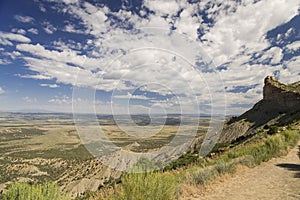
(286, 97)
(280, 105)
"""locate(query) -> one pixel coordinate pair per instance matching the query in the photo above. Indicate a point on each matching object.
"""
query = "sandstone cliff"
(287, 97)
(280, 105)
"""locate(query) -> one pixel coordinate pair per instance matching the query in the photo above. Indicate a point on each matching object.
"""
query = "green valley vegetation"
(25, 191)
(166, 185)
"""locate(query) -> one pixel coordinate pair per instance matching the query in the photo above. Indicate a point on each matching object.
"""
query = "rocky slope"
(280, 105)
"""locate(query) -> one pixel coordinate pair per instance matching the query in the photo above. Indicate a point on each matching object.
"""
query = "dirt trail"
(277, 179)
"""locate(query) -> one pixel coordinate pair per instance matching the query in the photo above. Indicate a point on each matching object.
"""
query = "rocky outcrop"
(280, 104)
(89, 175)
(284, 97)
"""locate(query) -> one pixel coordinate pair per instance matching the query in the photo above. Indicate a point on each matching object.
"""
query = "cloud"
(292, 47)
(66, 1)
(7, 38)
(188, 23)
(70, 1)
(19, 31)
(48, 28)
(244, 30)
(65, 56)
(33, 31)
(24, 19)
(29, 99)
(70, 28)
(119, 55)
(13, 55)
(50, 85)
(292, 72)
(162, 7)
(36, 76)
(69, 45)
(52, 69)
(131, 96)
(42, 8)
(92, 17)
(61, 100)
(4, 62)
(272, 56)
(2, 91)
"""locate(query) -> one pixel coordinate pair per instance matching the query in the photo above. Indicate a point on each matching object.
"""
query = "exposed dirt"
(277, 179)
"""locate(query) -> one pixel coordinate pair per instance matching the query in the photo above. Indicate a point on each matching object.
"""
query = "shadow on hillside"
(289, 117)
(291, 167)
(261, 113)
(264, 111)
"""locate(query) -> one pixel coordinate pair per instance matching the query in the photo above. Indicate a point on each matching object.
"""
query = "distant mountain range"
(32, 111)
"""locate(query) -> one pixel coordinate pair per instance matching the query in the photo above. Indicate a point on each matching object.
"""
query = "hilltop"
(280, 106)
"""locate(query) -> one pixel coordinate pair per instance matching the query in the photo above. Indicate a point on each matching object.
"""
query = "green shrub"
(220, 147)
(291, 137)
(248, 161)
(225, 168)
(233, 154)
(273, 146)
(147, 186)
(273, 130)
(259, 155)
(183, 160)
(25, 191)
(202, 177)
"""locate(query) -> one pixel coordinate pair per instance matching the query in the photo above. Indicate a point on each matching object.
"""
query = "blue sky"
(144, 56)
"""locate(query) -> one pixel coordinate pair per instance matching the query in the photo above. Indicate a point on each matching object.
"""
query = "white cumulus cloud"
(24, 19)
(49, 85)
(33, 31)
(7, 38)
(49, 28)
